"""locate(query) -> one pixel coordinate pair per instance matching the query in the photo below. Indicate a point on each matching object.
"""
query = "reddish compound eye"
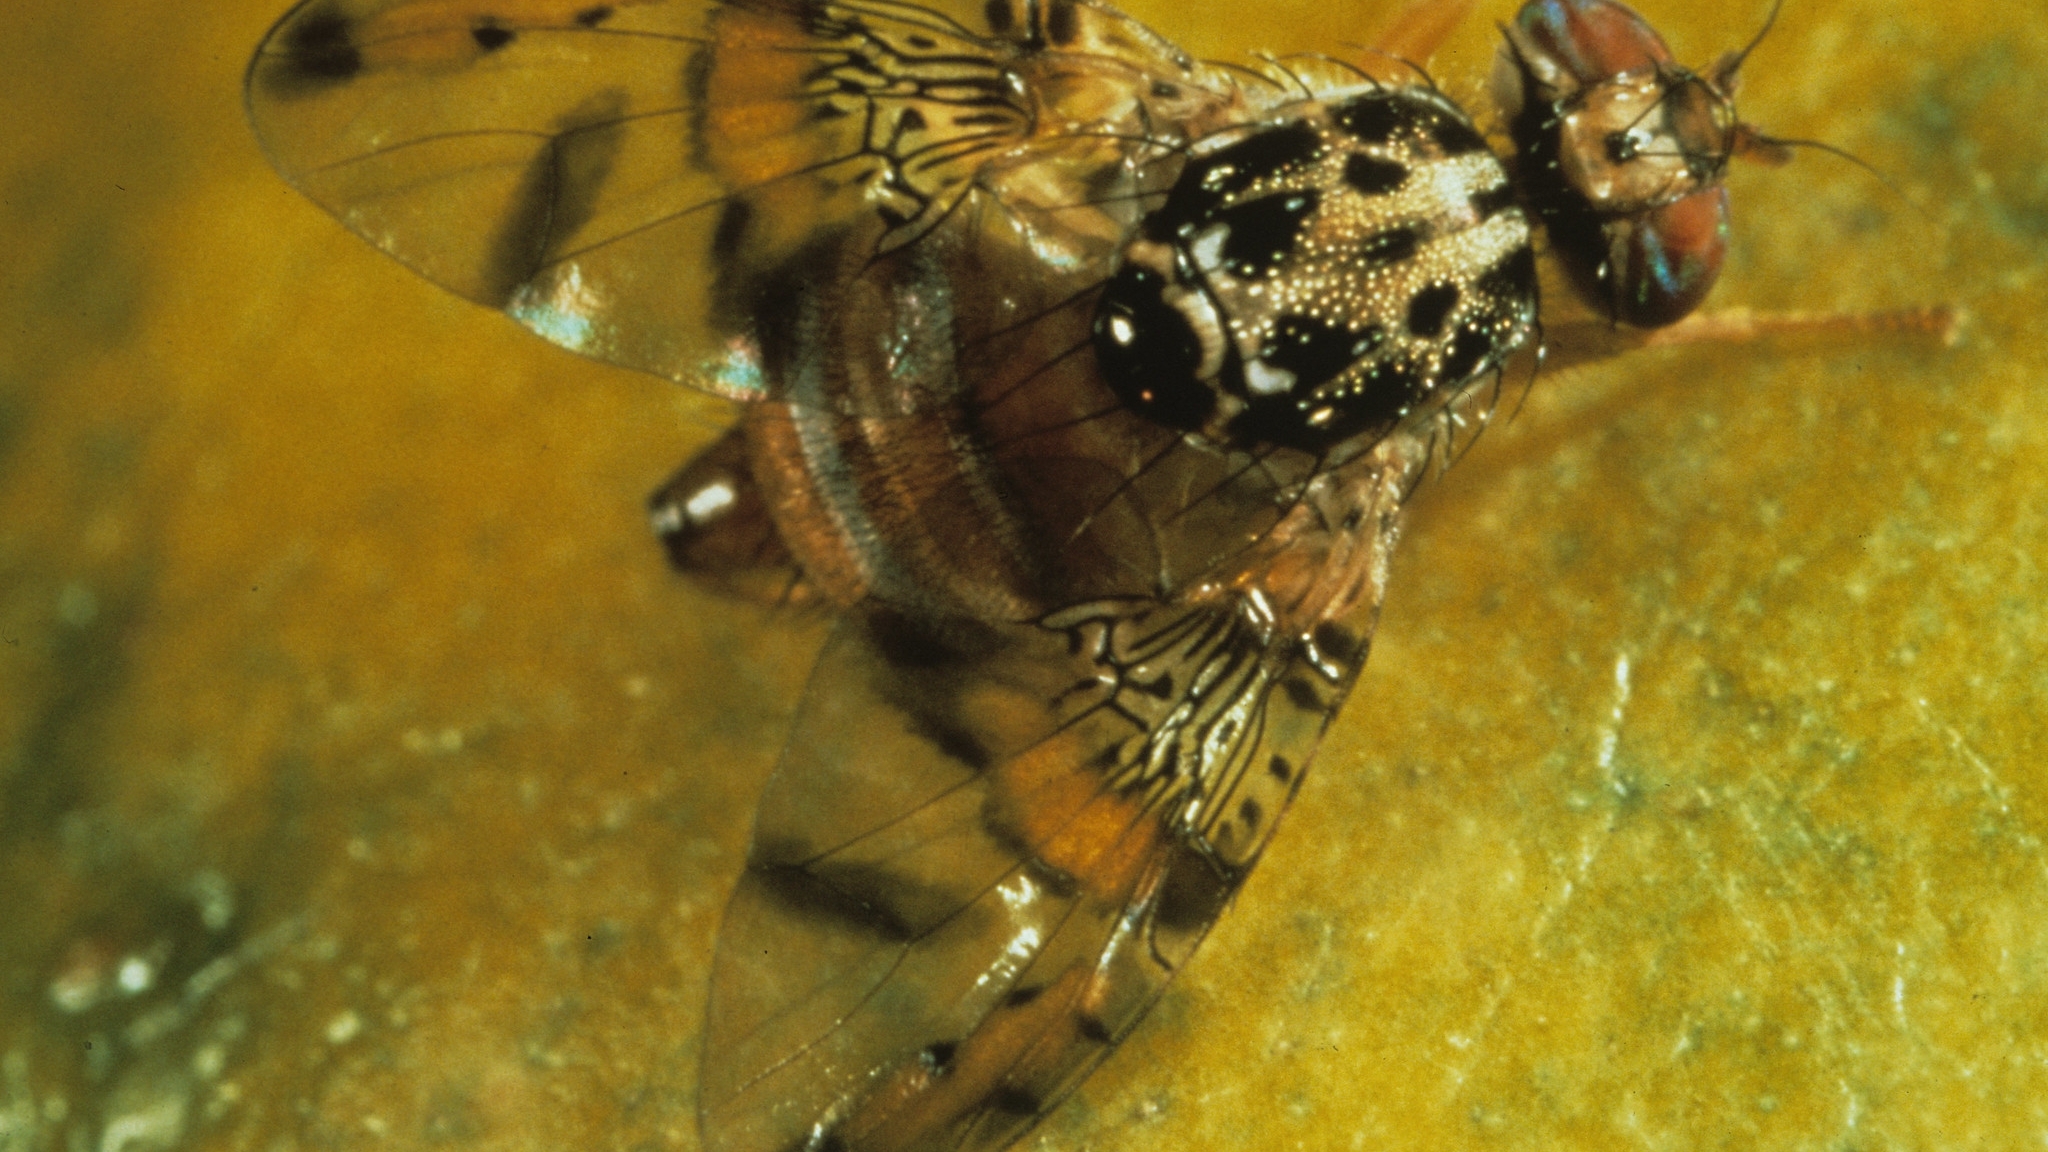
(1621, 153)
(1663, 261)
(1586, 41)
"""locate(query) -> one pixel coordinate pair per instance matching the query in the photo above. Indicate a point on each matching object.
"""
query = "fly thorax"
(1321, 275)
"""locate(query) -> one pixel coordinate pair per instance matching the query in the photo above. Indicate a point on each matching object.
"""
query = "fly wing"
(988, 848)
(530, 155)
(613, 173)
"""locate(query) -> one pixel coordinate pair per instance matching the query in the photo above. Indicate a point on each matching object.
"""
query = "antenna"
(1726, 68)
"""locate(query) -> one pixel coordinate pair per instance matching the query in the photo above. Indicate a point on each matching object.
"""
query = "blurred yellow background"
(365, 779)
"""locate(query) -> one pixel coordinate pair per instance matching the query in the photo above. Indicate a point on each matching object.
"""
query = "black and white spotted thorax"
(1318, 276)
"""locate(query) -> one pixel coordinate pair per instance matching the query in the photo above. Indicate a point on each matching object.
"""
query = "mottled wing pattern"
(530, 155)
(988, 848)
(610, 173)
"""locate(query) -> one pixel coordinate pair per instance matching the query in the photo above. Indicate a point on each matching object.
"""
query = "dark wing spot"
(806, 895)
(1092, 1027)
(1019, 997)
(1280, 769)
(1313, 349)
(921, 643)
(592, 17)
(1302, 694)
(1337, 643)
(1249, 812)
(921, 43)
(1168, 765)
(491, 37)
(1263, 232)
(1159, 689)
(1102, 181)
(938, 1057)
(999, 17)
(926, 653)
(1372, 175)
(319, 52)
(912, 120)
(1390, 247)
(1193, 894)
(1513, 279)
(696, 97)
(557, 197)
(1015, 1101)
(1062, 23)
(956, 742)
(1429, 308)
(821, 111)
(733, 218)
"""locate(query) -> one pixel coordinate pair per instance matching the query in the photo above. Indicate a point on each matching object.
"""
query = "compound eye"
(1149, 353)
(1665, 260)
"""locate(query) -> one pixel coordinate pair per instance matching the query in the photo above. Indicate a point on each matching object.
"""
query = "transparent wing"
(617, 176)
(988, 848)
